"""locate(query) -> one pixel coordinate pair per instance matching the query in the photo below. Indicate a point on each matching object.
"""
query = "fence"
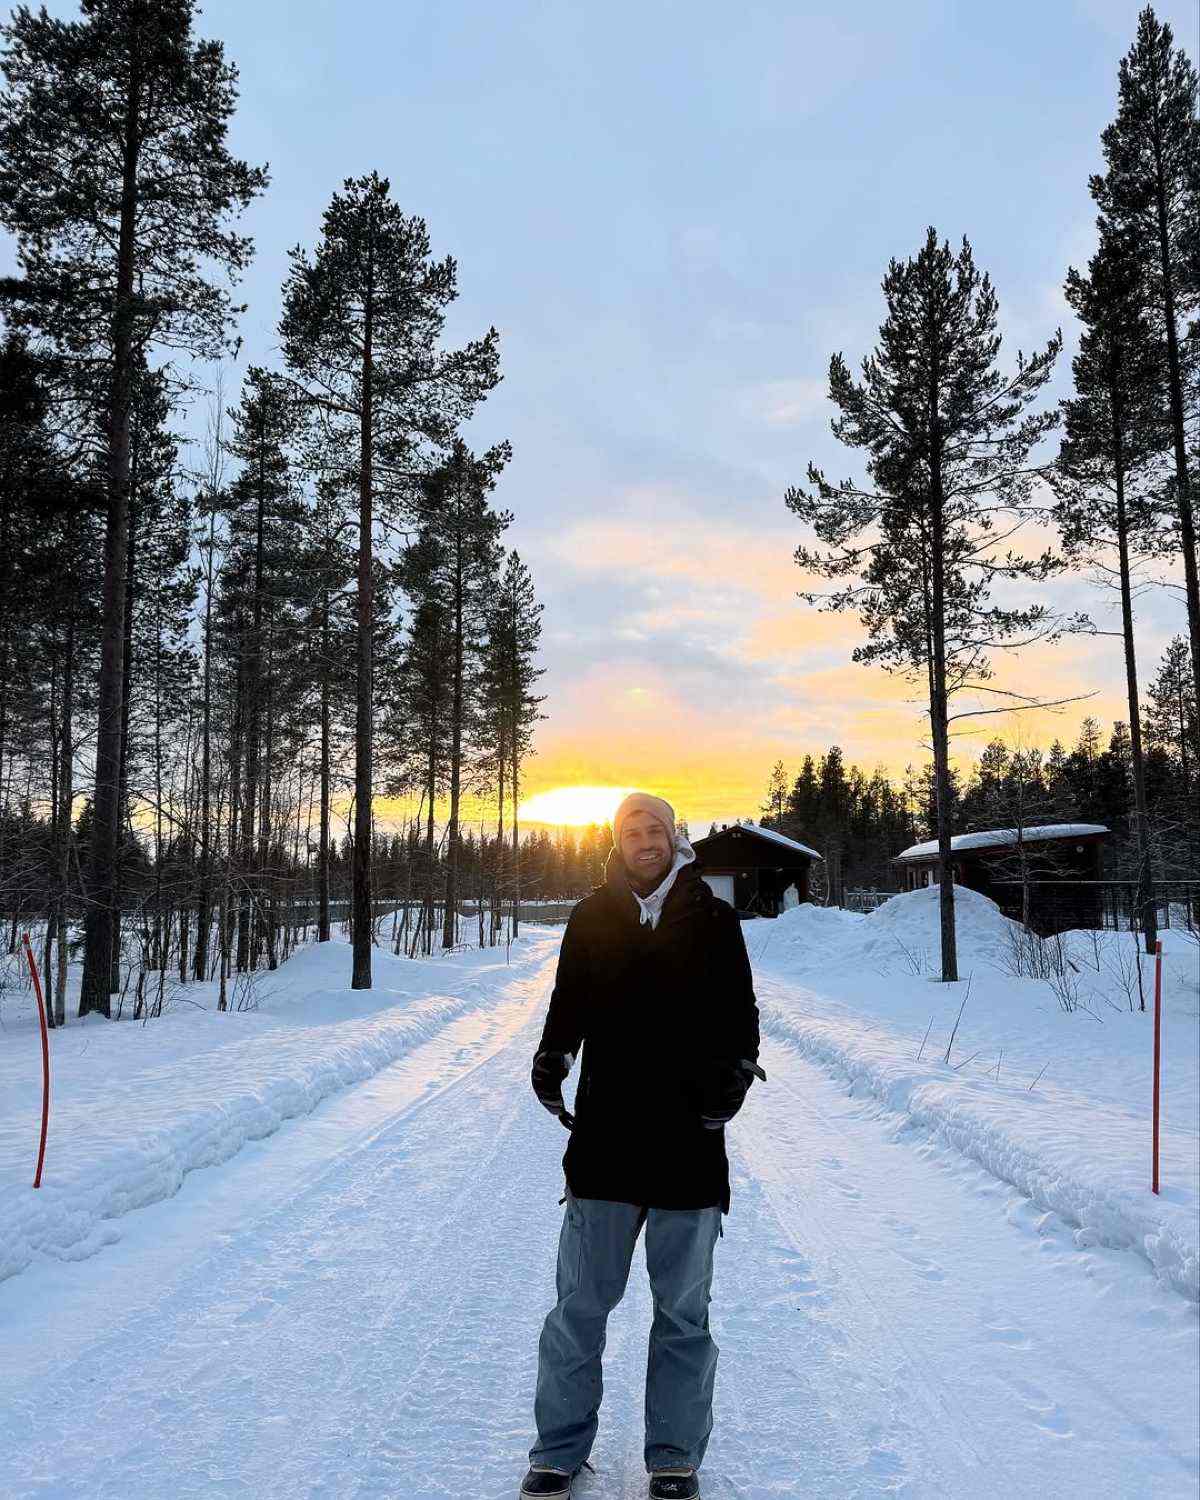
(1107, 903)
(1111, 904)
(865, 901)
(528, 911)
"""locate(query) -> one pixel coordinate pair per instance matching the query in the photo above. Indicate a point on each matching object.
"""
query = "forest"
(217, 657)
(859, 822)
(220, 659)
(979, 498)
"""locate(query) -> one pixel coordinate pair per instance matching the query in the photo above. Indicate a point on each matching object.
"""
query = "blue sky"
(674, 214)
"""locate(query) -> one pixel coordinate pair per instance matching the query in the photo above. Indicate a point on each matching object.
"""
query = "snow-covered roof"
(1003, 838)
(768, 833)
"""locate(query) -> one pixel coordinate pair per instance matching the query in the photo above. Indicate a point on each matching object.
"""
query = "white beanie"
(657, 807)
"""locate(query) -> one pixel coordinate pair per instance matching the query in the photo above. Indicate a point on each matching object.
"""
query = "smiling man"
(654, 984)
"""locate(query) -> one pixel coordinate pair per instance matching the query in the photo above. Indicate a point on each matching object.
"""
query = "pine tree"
(49, 509)
(1171, 718)
(132, 112)
(833, 804)
(1150, 197)
(804, 802)
(461, 534)
(1016, 800)
(159, 674)
(360, 331)
(516, 631)
(949, 439)
(983, 780)
(775, 806)
(329, 629)
(418, 726)
(262, 596)
(1058, 791)
(1104, 480)
(1173, 738)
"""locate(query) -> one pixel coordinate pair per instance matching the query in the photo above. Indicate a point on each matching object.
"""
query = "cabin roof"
(1006, 838)
(763, 833)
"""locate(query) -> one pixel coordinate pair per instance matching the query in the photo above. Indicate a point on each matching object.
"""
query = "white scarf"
(652, 904)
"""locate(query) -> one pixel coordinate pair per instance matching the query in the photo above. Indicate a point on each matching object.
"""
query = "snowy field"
(305, 1249)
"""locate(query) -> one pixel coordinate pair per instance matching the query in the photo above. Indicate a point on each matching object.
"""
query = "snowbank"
(1005, 838)
(135, 1108)
(1078, 1141)
(902, 934)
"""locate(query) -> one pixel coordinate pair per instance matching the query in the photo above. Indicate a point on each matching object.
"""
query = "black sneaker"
(674, 1484)
(547, 1484)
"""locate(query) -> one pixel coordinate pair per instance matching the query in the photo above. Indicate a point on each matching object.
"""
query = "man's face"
(646, 847)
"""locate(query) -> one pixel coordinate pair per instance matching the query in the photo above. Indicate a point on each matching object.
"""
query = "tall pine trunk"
(5, 675)
(1145, 874)
(55, 742)
(450, 911)
(250, 912)
(66, 798)
(100, 943)
(938, 710)
(267, 912)
(225, 900)
(1183, 493)
(247, 808)
(204, 893)
(498, 871)
(430, 785)
(323, 837)
(364, 717)
(515, 779)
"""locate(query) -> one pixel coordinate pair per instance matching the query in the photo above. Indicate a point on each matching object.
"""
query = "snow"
(306, 1248)
(778, 838)
(136, 1108)
(1003, 838)
(1077, 1142)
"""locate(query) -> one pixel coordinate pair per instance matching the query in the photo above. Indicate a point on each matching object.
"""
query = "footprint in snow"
(924, 1268)
(1012, 1338)
(1044, 1412)
(259, 1312)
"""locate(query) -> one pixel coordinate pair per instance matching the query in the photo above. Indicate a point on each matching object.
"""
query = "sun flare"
(574, 806)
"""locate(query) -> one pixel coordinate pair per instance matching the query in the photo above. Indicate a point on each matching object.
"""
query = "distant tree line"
(204, 664)
(858, 822)
(957, 462)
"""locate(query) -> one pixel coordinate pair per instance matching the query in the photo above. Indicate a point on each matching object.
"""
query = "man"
(654, 983)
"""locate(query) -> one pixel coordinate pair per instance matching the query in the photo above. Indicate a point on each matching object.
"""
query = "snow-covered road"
(350, 1308)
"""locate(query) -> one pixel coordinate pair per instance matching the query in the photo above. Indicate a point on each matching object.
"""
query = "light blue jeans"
(595, 1249)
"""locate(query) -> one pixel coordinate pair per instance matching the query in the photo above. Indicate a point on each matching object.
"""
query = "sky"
(675, 214)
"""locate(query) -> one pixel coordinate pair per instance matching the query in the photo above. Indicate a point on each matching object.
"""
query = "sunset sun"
(574, 806)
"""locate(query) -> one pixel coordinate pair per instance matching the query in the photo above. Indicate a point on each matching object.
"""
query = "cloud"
(787, 403)
(653, 534)
(689, 665)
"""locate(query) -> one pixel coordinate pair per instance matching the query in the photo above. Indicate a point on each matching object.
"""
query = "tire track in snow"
(312, 1290)
(976, 1311)
(891, 1398)
(375, 1335)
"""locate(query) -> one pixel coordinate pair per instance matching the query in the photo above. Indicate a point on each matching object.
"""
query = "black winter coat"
(658, 1012)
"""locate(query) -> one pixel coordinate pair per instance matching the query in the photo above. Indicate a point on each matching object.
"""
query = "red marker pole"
(37, 989)
(1157, 1050)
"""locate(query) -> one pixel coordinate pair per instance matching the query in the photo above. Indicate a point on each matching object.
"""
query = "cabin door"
(720, 885)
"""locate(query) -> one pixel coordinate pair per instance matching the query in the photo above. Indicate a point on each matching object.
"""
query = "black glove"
(549, 1070)
(727, 1090)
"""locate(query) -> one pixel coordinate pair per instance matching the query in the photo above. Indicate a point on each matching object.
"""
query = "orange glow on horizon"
(574, 806)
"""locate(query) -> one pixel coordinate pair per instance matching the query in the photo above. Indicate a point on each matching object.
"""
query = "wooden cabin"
(1063, 868)
(758, 871)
